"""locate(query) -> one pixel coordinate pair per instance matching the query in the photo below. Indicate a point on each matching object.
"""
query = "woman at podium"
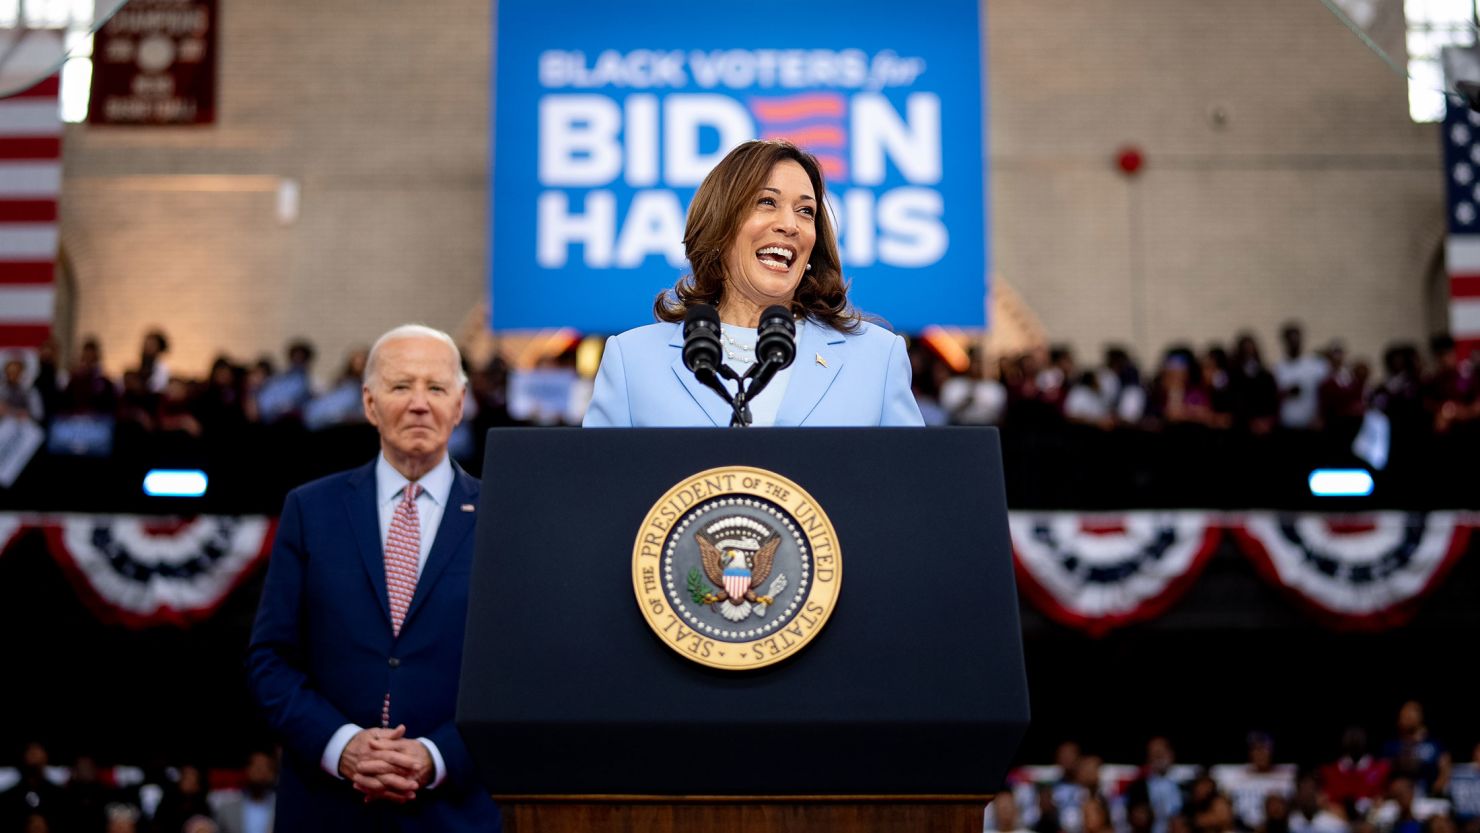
(758, 235)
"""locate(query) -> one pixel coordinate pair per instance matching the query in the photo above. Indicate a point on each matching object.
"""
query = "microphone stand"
(749, 387)
(709, 377)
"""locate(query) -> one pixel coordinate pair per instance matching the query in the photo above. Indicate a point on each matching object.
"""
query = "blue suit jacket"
(322, 655)
(836, 380)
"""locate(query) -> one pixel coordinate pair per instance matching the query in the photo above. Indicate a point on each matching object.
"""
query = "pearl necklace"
(733, 346)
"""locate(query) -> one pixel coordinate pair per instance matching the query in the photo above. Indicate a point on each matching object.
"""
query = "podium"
(901, 710)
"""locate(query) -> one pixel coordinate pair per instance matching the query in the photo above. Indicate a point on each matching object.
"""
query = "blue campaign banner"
(606, 118)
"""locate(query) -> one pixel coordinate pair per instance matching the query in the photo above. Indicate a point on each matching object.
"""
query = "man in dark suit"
(358, 641)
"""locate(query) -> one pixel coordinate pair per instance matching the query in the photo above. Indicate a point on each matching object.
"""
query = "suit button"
(394, 663)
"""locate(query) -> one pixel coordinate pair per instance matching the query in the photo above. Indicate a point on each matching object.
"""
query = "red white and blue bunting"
(1092, 572)
(1355, 572)
(1099, 572)
(141, 571)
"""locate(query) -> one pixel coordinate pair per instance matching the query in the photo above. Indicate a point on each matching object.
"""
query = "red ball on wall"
(1129, 160)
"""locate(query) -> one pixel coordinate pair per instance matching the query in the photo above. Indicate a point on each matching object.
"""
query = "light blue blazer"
(837, 380)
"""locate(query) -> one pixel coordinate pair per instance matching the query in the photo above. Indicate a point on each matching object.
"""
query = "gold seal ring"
(736, 567)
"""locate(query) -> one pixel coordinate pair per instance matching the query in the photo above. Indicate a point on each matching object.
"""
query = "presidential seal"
(736, 568)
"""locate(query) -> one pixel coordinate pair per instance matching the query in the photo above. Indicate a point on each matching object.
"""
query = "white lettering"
(684, 116)
(858, 227)
(912, 144)
(654, 226)
(640, 140)
(578, 140)
(558, 229)
(910, 229)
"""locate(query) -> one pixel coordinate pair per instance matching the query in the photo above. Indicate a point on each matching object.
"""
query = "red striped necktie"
(402, 556)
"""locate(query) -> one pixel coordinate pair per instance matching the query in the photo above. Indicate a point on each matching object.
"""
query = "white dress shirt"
(436, 487)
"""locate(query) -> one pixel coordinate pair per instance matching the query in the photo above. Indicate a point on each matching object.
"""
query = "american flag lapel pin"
(468, 507)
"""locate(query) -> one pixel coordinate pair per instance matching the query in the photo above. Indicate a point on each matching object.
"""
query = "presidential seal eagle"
(735, 570)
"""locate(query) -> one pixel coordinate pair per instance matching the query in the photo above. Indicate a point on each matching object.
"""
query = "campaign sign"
(606, 119)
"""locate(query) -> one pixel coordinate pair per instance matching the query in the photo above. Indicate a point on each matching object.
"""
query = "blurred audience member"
(1396, 814)
(1416, 755)
(1178, 396)
(1002, 814)
(1054, 379)
(177, 410)
(137, 404)
(1449, 389)
(219, 403)
(1299, 376)
(1214, 815)
(342, 403)
(88, 390)
(182, 801)
(152, 369)
(1256, 398)
(1080, 784)
(18, 398)
(122, 818)
(33, 794)
(1464, 790)
(1095, 816)
(1309, 812)
(1120, 384)
(971, 398)
(1155, 787)
(1400, 396)
(1248, 785)
(251, 809)
(1217, 374)
(1356, 779)
(284, 395)
(256, 376)
(1343, 394)
(50, 379)
(1047, 811)
(1276, 814)
(85, 799)
(1086, 404)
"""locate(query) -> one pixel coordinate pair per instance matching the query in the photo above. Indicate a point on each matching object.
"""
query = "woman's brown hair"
(721, 204)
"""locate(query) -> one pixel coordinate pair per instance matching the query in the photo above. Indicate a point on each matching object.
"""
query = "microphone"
(701, 348)
(701, 353)
(775, 347)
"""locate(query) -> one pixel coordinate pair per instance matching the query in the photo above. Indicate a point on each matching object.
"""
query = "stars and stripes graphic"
(1462, 247)
(1356, 573)
(1102, 572)
(30, 182)
(814, 122)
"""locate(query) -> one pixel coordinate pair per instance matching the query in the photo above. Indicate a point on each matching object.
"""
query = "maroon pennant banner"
(154, 63)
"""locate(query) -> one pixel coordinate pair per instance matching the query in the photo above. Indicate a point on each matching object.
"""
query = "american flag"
(30, 182)
(1462, 247)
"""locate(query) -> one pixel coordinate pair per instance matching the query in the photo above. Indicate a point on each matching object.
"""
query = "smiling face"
(772, 246)
(414, 399)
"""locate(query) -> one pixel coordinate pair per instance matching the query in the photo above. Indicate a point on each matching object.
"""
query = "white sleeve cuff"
(334, 750)
(437, 764)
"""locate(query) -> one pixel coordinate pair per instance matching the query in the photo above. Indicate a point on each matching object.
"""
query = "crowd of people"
(1217, 388)
(1410, 784)
(150, 396)
(36, 797)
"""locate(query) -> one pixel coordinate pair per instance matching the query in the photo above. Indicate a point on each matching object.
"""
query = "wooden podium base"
(759, 814)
